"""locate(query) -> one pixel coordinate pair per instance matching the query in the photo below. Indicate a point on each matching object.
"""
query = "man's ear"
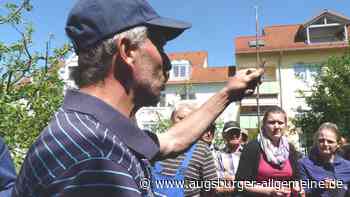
(123, 62)
(126, 50)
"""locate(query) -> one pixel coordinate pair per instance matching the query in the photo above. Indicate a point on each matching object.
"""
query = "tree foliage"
(330, 98)
(30, 89)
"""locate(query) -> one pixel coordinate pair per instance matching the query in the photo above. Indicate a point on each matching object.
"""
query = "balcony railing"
(249, 122)
(269, 87)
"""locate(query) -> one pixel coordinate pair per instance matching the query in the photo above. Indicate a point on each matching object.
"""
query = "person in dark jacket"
(7, 171)
(324, 166)
(269, 160)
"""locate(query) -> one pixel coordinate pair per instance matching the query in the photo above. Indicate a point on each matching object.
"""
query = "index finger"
(262, 64)
(255, 73)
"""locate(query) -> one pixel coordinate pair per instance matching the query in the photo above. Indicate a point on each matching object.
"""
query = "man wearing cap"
(228, 158)
(91, 147)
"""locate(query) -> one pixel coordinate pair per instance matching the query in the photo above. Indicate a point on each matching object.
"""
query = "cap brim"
(232, 129)
(172, 28)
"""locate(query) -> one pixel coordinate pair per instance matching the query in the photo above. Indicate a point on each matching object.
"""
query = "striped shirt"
(200, 167)
(88, 149)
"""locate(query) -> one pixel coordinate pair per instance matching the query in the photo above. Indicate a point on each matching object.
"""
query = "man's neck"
(113, 94)
(232, 149)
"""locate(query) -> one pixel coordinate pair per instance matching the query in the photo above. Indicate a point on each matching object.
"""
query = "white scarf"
(275, 155)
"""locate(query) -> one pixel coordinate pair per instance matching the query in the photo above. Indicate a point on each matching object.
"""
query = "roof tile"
(285, 37)
(196, 58)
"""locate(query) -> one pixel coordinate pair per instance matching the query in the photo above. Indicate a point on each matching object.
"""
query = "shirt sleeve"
(97, 177)
(303, 176)
(7, 171)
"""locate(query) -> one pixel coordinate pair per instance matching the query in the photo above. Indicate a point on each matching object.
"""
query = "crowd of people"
(268, 158)
(93, 147)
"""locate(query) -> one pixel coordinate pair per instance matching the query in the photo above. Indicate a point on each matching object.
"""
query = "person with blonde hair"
(324, 166)
(269, 158)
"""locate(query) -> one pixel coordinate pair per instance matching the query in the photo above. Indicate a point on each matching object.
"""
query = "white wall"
(202, 91)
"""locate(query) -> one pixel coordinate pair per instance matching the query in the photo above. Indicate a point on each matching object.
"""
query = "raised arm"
(181, 135)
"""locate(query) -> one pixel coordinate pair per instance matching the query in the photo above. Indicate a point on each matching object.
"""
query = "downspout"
(280, 77)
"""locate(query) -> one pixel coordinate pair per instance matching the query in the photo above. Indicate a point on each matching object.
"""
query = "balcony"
(249, 122)
(269, 87)
(268, 95)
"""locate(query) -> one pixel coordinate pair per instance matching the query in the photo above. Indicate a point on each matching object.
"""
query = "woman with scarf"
(268, 165)
(324, 166)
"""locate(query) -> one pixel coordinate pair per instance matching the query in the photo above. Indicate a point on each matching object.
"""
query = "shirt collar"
(314, 156)
(337, 159)
(239, 149)
(136, 139)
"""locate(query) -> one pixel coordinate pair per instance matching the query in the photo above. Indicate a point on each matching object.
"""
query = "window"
(326, 29)
(300, 72)
(180, 70)
(327, 34)
(306, 72)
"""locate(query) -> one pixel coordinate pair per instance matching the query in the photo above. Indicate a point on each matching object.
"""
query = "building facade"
(294, 54)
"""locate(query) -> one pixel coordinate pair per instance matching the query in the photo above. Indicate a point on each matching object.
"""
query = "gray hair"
(182, 106)
(326, 125)
(94, 63)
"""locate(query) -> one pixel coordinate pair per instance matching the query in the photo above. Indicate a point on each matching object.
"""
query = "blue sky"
(215, 23)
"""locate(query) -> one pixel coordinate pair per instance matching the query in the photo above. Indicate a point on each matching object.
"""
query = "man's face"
(152, 70)
(208, 136)
(232, 138)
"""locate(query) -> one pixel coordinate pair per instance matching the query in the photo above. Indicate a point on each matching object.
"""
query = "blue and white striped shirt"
(88, 149)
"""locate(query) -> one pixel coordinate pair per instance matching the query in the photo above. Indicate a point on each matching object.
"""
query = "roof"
(283, 38)
(286, 38)
(196, 58)
(201, 75)
(329, 13)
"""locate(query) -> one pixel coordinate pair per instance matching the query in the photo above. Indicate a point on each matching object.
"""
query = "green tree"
(30, 89)
(330, 99)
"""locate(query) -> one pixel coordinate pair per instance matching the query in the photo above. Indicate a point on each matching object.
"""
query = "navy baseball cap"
(91, 21)
(231, 126)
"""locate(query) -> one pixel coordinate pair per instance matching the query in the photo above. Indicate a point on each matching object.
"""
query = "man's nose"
(277, 125)
(166, 66)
